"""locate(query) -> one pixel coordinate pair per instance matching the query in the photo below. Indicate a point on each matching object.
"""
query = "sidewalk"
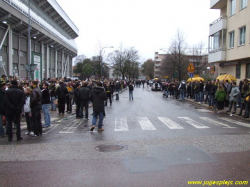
(215, 110)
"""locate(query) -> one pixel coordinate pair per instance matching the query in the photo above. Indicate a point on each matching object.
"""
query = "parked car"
(155, 87)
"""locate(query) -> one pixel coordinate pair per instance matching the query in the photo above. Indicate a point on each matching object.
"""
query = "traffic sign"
(191, 75)
(191, 68)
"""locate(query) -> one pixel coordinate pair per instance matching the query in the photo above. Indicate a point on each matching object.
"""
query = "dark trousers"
(61, 105)
(231, 105)
(13, 117)
(36, 116)
(29, 122)
(69, 103)
(85, 104)
(78, 105)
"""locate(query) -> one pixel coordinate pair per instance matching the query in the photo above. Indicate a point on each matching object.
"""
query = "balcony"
(157, 60)
(217, 4)
(217, 25)
(218, 55)
(157, 65)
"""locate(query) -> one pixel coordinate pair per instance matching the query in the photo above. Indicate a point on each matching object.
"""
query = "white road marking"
(236, 122)
(71, 127)
(217, 122)
(146, 123)
(170, 123)
(121, 124)
(194, 123)
(53, 126)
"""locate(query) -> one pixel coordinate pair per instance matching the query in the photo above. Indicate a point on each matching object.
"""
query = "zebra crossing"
(121, 123)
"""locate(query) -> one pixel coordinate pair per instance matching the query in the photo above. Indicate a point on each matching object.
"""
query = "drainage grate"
(110, 148)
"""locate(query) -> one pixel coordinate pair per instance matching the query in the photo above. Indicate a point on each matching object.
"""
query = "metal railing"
(217, 20)
(217, 50)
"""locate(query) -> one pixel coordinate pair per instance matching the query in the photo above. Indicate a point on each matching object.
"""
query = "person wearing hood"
(182, 89)
(220, 96)
(233, 97)
(97, 97)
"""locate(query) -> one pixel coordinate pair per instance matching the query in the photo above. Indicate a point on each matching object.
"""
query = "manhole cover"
(110, 148)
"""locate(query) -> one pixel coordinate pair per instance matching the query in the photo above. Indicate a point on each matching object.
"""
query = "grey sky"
(147, 25)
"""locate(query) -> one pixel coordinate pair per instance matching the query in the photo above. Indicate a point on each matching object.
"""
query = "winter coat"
(45, 96)
(220, 95)
(97, 97)
(84, 93)
(77, 96)
(35, 97)
(2, 101)
(234, 94)
(131, 88)
(61, 91)
(213, 89)
(15, 99)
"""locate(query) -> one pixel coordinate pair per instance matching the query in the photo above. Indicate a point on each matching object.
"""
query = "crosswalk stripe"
(53, 126)
(170, 123)
(216, 122)
(236, 122)
(121, 124)
(71, 127)
(194, 123)
(146, 123)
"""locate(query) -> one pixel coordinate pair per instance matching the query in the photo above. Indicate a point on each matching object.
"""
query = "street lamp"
(101, 56)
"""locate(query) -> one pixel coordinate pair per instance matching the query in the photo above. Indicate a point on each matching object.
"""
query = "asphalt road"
(150, 141)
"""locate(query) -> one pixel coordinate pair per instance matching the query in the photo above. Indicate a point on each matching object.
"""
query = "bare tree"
(79, 59)
(148, 68)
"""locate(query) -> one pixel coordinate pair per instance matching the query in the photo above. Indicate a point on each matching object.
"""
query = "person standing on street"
(52, 89)
(27, 112)
(98, 96)
(220, 96)
(46, 105)
(77, 100)
(233, 97)
(2, 106)
(61, 94)
(69, 97)
(84, 96)
(182, 88)
(36, 107)
(131, 89)
(15, 99)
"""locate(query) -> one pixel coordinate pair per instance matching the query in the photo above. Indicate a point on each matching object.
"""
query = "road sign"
(191, 68)
(191, 75)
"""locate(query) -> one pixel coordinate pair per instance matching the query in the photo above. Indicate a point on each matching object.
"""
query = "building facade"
(229, 38)
(52, 36)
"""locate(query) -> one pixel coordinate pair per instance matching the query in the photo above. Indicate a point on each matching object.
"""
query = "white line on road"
(53, 127)
(236, 122)
(145, 123)
(71, 127)
(121, 124)
(217, 122)
(194, 123)
(170, 123)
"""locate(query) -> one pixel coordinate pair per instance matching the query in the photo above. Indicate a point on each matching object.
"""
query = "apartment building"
(229, 38)
(52, 39)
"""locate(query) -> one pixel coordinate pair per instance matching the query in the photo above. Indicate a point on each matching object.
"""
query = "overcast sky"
(147, 25)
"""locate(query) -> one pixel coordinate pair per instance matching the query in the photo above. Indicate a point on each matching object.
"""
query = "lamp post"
(101, 63)
(29, 43)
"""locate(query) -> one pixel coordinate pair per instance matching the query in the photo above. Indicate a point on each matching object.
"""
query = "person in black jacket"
(2, 106)
(108, 90)
(15, 99)
(77, 100)
(207, 90)
(131, 89)
(46, 105)
(212, 91)
(52, 89)
(84, 97)
(98, 96)
(61, 94)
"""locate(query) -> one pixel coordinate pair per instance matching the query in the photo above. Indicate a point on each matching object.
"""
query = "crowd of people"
(216, 94)
(29, 98)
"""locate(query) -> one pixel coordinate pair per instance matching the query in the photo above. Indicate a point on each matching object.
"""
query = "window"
(243, 4)
(216, 41)
(23, 54)
(238, 71)
(22, 67)
(242, 39)
(232, 7)
(15, 66)
(15, 52)
(231, 39)
(248, 71)
(4, 49)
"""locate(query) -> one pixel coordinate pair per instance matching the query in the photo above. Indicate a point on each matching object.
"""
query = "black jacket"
(45, 96)
(98, 96)
(77, 96)
(35, 97)
(15, 99)
(84, 93)
(61, 91)
(2, 101)
(131, 88)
